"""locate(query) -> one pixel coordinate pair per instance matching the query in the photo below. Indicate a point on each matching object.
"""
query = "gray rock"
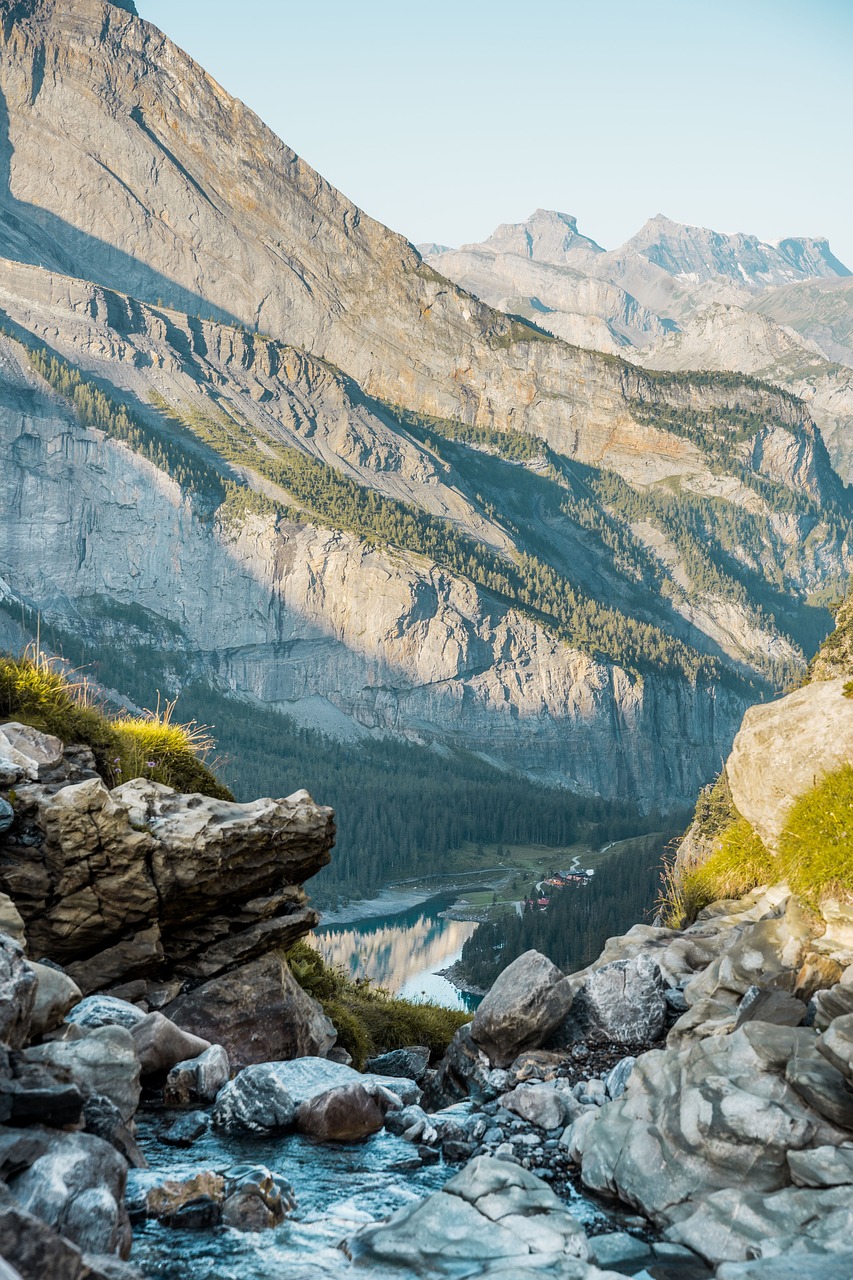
(623, 1001)
(765, 775)
(187, 1129)
(823, 1087)
(412, 1062)
(11, 921)
(521, 1010)
(198, 1079)
(617, 1078)
(35, 1250)
(836, 1045)
(35, 753)
(762, 1005)
(105, 1011)
(255, 1199)
(103, 1266)
(491, 1212)
(77, 1187)
(104, 1062)
(161, 1045)
(103, 1119)
(7, 814)
(618, 1249)
(17, 994)
(833, 1266)
(538, 1104)
(822, 1166)
(56, 996)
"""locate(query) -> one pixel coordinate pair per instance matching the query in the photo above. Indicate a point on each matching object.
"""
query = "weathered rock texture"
(785, 748)
(191, 898)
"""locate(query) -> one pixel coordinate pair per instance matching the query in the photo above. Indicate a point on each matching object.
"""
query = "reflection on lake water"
(402, 951)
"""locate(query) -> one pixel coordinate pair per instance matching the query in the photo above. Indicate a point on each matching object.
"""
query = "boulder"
(161, 1045)
(164, 1197)
(197, 1079)
(56, 996)
(822, 1167)
(7, 815)
(521, 1010)
(765, 776)
(187, 1129)
(737, 1223)
(103, 1119)
(30, 751)
(104, 1062)
(263, 1098)
(823, 1087)
(77, 1187)
(31, 1094)
(345, 1114)
(537, 1104)
(35, 1250)
(258, 1013)
(714, 1115)
(11, 920)
(17, 994)
(762, 1005)
(836, 1045)
(255, 1199)
(412, 1062)
(492, 1218)
(621, 1002)
(105, 1011)
(465, 1071)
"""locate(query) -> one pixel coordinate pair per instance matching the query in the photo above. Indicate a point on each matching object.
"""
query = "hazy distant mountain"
(546, 236)
(697, 254)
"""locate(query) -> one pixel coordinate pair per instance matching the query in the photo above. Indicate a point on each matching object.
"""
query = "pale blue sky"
(443, 120)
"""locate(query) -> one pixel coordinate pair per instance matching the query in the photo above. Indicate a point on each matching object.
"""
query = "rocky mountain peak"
(546, 236)
(698, 254)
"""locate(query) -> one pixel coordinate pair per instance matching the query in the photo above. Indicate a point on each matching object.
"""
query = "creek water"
(338, 1189)
(402, 951)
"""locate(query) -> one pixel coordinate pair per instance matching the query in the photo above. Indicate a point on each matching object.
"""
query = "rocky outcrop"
(178, 894)
(523, 1007)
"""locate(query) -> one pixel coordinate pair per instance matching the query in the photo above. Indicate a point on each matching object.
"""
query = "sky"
(443, 120)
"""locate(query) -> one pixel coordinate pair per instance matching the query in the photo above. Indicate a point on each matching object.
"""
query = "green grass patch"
(368, 1019)
(816, 846)
(34, 691)
(739, 863)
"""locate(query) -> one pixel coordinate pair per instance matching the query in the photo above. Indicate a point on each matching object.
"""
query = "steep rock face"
(142, 129)
(820, 310)
(317, 622)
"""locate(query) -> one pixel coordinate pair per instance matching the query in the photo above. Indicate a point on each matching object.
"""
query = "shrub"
(35, 691)
(368, 1019)
(816, 846)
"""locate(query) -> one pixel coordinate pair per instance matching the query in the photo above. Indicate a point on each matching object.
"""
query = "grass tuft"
(816, 847)
(34, 690)
(369, 1020)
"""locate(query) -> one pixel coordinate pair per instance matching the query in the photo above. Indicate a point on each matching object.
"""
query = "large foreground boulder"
(723, 1113)
(258, 1013)
(623, 1002)
(77, 1187)
(104, 1062)
(524, 1006)
(491, 1219)
(264, 1098)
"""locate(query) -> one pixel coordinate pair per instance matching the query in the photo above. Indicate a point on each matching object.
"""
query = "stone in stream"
(491, 1218)
(527, 1001)
(255, 1198)
(187, 1129)
(197, 1079)
(104, 1120)
(412, 1062)
(346, 1114)
(263, 1098)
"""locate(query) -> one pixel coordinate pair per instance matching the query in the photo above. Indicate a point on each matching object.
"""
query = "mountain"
(820, 310)
(254, 447)
(697, 254)
(546, 236)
